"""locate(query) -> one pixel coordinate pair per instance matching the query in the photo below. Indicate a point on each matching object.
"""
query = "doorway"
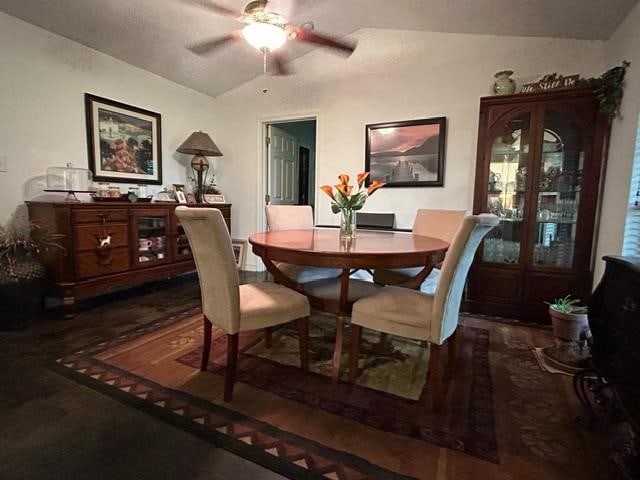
(290, 162)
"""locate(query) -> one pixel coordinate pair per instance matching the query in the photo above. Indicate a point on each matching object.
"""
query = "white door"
(282, 168)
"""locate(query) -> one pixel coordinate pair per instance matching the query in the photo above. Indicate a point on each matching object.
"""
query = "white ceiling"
(152, 34)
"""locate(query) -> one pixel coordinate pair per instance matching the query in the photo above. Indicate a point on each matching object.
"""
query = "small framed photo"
(214, 198)
(191, 198)
(239, 251)
(178, 188)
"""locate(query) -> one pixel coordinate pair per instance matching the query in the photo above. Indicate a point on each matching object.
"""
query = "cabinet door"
(558, 190)
(508, 149)
(150, 234)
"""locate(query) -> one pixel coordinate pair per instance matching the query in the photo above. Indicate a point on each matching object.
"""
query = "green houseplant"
(23, 276)
(569, 318)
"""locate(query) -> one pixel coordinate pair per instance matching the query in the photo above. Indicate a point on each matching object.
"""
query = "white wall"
(393, 75)
(624, 44)
(43, 78)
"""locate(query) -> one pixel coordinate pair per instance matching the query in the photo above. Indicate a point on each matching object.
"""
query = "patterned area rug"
(303, 426)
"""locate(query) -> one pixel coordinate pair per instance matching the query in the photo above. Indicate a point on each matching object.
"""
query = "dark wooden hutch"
(539, 165)
(113, 245)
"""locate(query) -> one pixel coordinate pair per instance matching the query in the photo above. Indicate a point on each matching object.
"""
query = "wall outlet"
(3, 163)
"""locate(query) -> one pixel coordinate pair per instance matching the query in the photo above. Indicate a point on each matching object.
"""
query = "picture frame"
(213, 198)
(410, 153)
(239, 251)
(179, 192)
(124, 142)
(191, 198)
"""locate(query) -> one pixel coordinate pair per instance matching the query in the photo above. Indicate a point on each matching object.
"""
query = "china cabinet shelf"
(538, 167)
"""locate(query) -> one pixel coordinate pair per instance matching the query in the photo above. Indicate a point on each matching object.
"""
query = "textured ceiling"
(152, 34)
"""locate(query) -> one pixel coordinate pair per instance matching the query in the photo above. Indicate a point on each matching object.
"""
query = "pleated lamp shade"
(199, 143)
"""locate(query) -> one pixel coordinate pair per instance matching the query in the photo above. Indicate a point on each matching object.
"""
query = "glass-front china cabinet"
(539, 167)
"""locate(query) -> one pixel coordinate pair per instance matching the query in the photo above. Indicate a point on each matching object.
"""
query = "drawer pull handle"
(103, 217)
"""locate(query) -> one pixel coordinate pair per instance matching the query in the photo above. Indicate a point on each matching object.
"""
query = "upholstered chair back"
(289, 217)
(442, 224)
(446, 304)
(213, 254)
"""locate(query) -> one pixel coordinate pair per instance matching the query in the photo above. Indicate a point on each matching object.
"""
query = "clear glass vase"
(347, 223)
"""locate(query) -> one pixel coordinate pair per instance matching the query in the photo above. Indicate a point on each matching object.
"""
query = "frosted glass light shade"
(264, 35)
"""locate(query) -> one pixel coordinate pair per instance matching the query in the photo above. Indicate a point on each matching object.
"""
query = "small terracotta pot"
(568, 326)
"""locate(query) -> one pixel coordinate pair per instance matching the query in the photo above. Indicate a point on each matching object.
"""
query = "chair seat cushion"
(305, 274)
(330, 289)
(266, 304)
(397, 311)
(396, 276)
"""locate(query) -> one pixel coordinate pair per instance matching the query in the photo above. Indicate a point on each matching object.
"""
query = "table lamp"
(201, 146)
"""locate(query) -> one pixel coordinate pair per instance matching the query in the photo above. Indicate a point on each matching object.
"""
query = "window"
(631, 245)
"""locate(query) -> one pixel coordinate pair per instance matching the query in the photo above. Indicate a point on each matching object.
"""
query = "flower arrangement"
(347, 199)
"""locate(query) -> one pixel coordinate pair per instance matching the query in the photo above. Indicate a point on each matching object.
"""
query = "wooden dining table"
(324, 247)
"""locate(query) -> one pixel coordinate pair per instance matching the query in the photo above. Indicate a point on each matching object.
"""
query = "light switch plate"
(3, 163)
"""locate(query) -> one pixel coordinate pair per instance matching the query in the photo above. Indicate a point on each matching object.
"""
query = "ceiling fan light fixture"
(262, 35)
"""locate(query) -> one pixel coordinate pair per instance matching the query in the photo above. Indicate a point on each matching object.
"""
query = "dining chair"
(416, 315)
(442, 224)
(230, 306)
(296, 217)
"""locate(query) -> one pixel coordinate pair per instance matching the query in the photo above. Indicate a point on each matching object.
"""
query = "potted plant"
(23, 276)
(569, 318)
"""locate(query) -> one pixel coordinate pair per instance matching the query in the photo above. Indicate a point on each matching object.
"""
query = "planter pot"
(21, 295)
(568, 326)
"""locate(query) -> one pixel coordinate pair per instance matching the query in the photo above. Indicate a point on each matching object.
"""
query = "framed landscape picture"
(406, 154)
(124, 142)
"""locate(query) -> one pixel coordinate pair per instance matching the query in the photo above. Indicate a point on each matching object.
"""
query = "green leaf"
(335, 208)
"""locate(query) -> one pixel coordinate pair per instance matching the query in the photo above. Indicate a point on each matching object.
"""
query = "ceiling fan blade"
(209, 46)
(219, 8)
(307, 36)
(278, 66)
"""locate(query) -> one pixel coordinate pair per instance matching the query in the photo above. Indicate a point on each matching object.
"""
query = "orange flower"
(344, 179)
(328, 189)
(362, 177)
(375, 185)
(344, 189)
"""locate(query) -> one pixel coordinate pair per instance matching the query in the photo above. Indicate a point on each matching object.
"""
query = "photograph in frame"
(124, 142)
(406, 154)
(239, 252)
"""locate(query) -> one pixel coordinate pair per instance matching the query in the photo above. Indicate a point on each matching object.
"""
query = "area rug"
(302, 426)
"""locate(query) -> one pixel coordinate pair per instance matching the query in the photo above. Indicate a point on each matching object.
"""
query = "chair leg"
(268, 338)
(337, 352)
(206, 347)
(435, 375)
(452, 353)
(232, 363)
(303, 338)
(356, 339)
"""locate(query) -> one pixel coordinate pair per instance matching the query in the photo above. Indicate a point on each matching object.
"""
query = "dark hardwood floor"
(53, 428)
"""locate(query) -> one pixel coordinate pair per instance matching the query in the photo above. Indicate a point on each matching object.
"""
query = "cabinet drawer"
(94, 263)
(90, 237)
(100, 216)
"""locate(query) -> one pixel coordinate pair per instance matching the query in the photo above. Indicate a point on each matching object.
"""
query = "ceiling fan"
(267, 29)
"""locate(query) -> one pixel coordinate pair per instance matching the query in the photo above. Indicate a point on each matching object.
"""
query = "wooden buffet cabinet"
(539, 166)
(113, 244)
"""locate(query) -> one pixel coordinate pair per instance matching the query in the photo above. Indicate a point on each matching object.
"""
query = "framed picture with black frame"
(406, 154)
(124, 142)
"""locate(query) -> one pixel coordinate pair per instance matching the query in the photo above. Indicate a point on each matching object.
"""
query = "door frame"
(263, 158)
